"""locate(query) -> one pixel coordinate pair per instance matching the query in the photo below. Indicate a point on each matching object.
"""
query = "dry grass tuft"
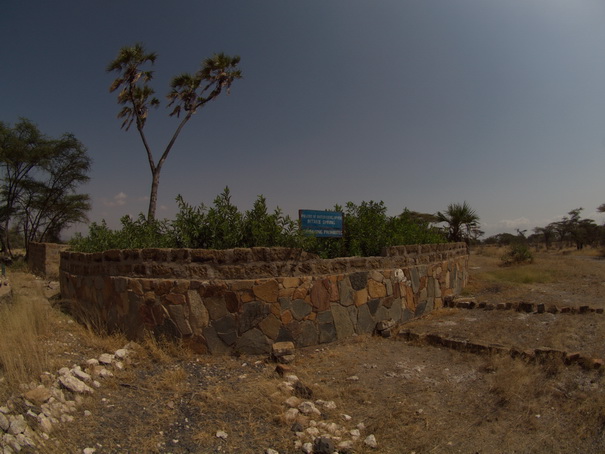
(23, 354)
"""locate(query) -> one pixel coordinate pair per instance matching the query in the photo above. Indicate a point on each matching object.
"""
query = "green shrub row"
(367, 229)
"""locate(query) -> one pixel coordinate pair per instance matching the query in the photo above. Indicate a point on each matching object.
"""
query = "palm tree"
(188, 93)
(461, 221)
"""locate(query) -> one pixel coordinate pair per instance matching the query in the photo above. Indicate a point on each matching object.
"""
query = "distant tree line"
(571, 231)
(39, 178)
(367, 229)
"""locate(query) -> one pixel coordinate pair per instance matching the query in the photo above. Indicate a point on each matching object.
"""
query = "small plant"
(518, 253)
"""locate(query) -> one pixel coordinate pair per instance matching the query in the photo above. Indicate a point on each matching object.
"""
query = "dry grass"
(525, 274)
(23, 352)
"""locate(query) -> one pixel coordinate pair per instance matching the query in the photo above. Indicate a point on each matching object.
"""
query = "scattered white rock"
(353, 378)
(292, 401)
(122, 353)
(307, 448)
(106, 358)
(89, 451)
(271, 451)
(291, 378)
(105, 373)
(328, 405)
(45, 425)
(291, 414)
(17, 425)
(67, 418)
(74, 384)
(79, 373)
(221, 434)
(308, 408)
(370, 441)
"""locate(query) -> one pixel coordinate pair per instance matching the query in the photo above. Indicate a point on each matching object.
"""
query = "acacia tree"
(188, 93)
(462, 222)
(40, 176)
(546, 233)
(48, 204)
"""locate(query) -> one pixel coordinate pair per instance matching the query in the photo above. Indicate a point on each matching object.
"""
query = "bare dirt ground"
(413, 399)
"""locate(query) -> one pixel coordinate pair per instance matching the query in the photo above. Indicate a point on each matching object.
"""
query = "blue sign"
(325, 224)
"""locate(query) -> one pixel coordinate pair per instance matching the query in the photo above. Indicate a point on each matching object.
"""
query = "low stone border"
(539, 355)
(530, 308)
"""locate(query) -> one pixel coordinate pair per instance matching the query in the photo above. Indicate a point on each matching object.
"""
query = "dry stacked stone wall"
(43, 258)
(244, 300)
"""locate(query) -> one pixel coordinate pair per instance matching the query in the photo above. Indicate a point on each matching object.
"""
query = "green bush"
(134, 234)
(367, 229)
(517, 254)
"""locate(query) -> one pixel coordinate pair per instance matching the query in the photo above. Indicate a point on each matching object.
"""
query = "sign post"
(322, 224)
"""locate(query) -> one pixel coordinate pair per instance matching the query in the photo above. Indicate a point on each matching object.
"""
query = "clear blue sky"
(419, 103)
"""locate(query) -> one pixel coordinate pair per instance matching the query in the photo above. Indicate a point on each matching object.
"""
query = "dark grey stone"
(284, 335)
(253, 342)
(133, 319)
(308, 334)
(323, 445)
(300, 309)
(285, 304)
(302, 391)
(352, 311)
(342, 321)
(167, 329)
(346, 292)
(216, 306)
(396, 310)
(365, 321)
(325, 317)
(415, 280)
(407, 315)
(373, 305)
(226, 329)
(215, 344)
(252, 314)
(430, 304)
(420, 309)
(327, 333)
(359, 280)
(381, 314)
(177, 314)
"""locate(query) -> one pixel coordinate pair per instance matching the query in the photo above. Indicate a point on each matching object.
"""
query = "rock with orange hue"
(267, 291)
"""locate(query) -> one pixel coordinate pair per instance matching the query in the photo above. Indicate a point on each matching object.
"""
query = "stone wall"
(43, 259)
(244, 300)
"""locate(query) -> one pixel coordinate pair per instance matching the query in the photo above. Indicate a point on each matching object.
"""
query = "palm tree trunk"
(153, 197)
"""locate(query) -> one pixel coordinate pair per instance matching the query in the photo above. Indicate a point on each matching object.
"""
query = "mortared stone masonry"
(244, 300)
